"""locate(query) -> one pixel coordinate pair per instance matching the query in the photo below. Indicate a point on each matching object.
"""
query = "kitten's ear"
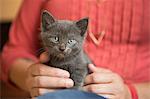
(47, 20)
(82, 25)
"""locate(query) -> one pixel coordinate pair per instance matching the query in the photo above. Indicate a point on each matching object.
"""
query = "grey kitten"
(63, 41)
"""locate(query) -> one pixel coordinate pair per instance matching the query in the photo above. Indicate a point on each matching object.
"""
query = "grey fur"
(63, 40)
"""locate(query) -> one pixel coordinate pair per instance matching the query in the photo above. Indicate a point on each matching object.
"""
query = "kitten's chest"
(71, 65)
(62, 65)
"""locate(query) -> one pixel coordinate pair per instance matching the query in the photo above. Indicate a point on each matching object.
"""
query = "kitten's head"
(62, 38)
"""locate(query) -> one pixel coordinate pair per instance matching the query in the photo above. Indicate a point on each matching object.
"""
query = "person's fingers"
(34, 92)
(33, 97)
(29, 83)
(96, 78)
(43, 70)
(99, 88)
(52, 82)
(108, 96)
(97, 69)
(104, 90)
(44, 57)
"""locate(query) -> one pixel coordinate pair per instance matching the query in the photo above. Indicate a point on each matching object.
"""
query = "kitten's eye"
(54, 39)
(72, 42)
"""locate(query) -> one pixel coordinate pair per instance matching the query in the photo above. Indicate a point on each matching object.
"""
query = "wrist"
(128, 93)
(18, 72)
(132, 90)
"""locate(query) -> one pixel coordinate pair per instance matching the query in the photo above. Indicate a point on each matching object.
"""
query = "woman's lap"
(70, 94)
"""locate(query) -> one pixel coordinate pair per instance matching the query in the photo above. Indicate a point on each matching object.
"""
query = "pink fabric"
(125, 48)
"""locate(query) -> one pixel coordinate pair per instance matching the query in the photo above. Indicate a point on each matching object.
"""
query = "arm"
(37, 78)
(143, 90)
(23, 36)
(19, 55)
(18, 72)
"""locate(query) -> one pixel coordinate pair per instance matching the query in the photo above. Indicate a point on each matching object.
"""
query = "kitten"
(63, 41)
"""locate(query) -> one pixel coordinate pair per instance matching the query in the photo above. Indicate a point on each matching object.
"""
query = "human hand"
(42, 79)
(106, 83)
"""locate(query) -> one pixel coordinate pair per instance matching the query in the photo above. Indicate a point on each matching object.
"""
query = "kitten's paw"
(76, 87)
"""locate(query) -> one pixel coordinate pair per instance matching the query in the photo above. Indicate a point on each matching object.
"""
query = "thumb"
(44, 57)
(92, 68)
(98, 69)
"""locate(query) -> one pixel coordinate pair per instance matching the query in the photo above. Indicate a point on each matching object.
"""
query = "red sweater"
(125, 48)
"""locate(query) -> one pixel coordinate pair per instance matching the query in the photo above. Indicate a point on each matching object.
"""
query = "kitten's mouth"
(61, 55)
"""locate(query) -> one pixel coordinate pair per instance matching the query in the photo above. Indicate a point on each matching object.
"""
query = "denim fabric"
(70, 94)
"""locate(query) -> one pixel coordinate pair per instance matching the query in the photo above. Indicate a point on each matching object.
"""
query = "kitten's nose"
(62, 47)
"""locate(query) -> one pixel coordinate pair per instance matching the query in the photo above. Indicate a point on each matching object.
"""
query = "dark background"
(8, 91)
(4, 30)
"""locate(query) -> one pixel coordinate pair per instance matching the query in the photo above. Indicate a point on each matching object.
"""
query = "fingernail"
(69, 83)
(84, 89)
(65, 74)
(92, 67)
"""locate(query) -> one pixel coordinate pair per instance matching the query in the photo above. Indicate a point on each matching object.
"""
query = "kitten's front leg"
(78, 75)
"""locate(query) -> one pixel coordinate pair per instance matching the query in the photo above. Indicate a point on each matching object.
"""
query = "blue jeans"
(70, 94)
